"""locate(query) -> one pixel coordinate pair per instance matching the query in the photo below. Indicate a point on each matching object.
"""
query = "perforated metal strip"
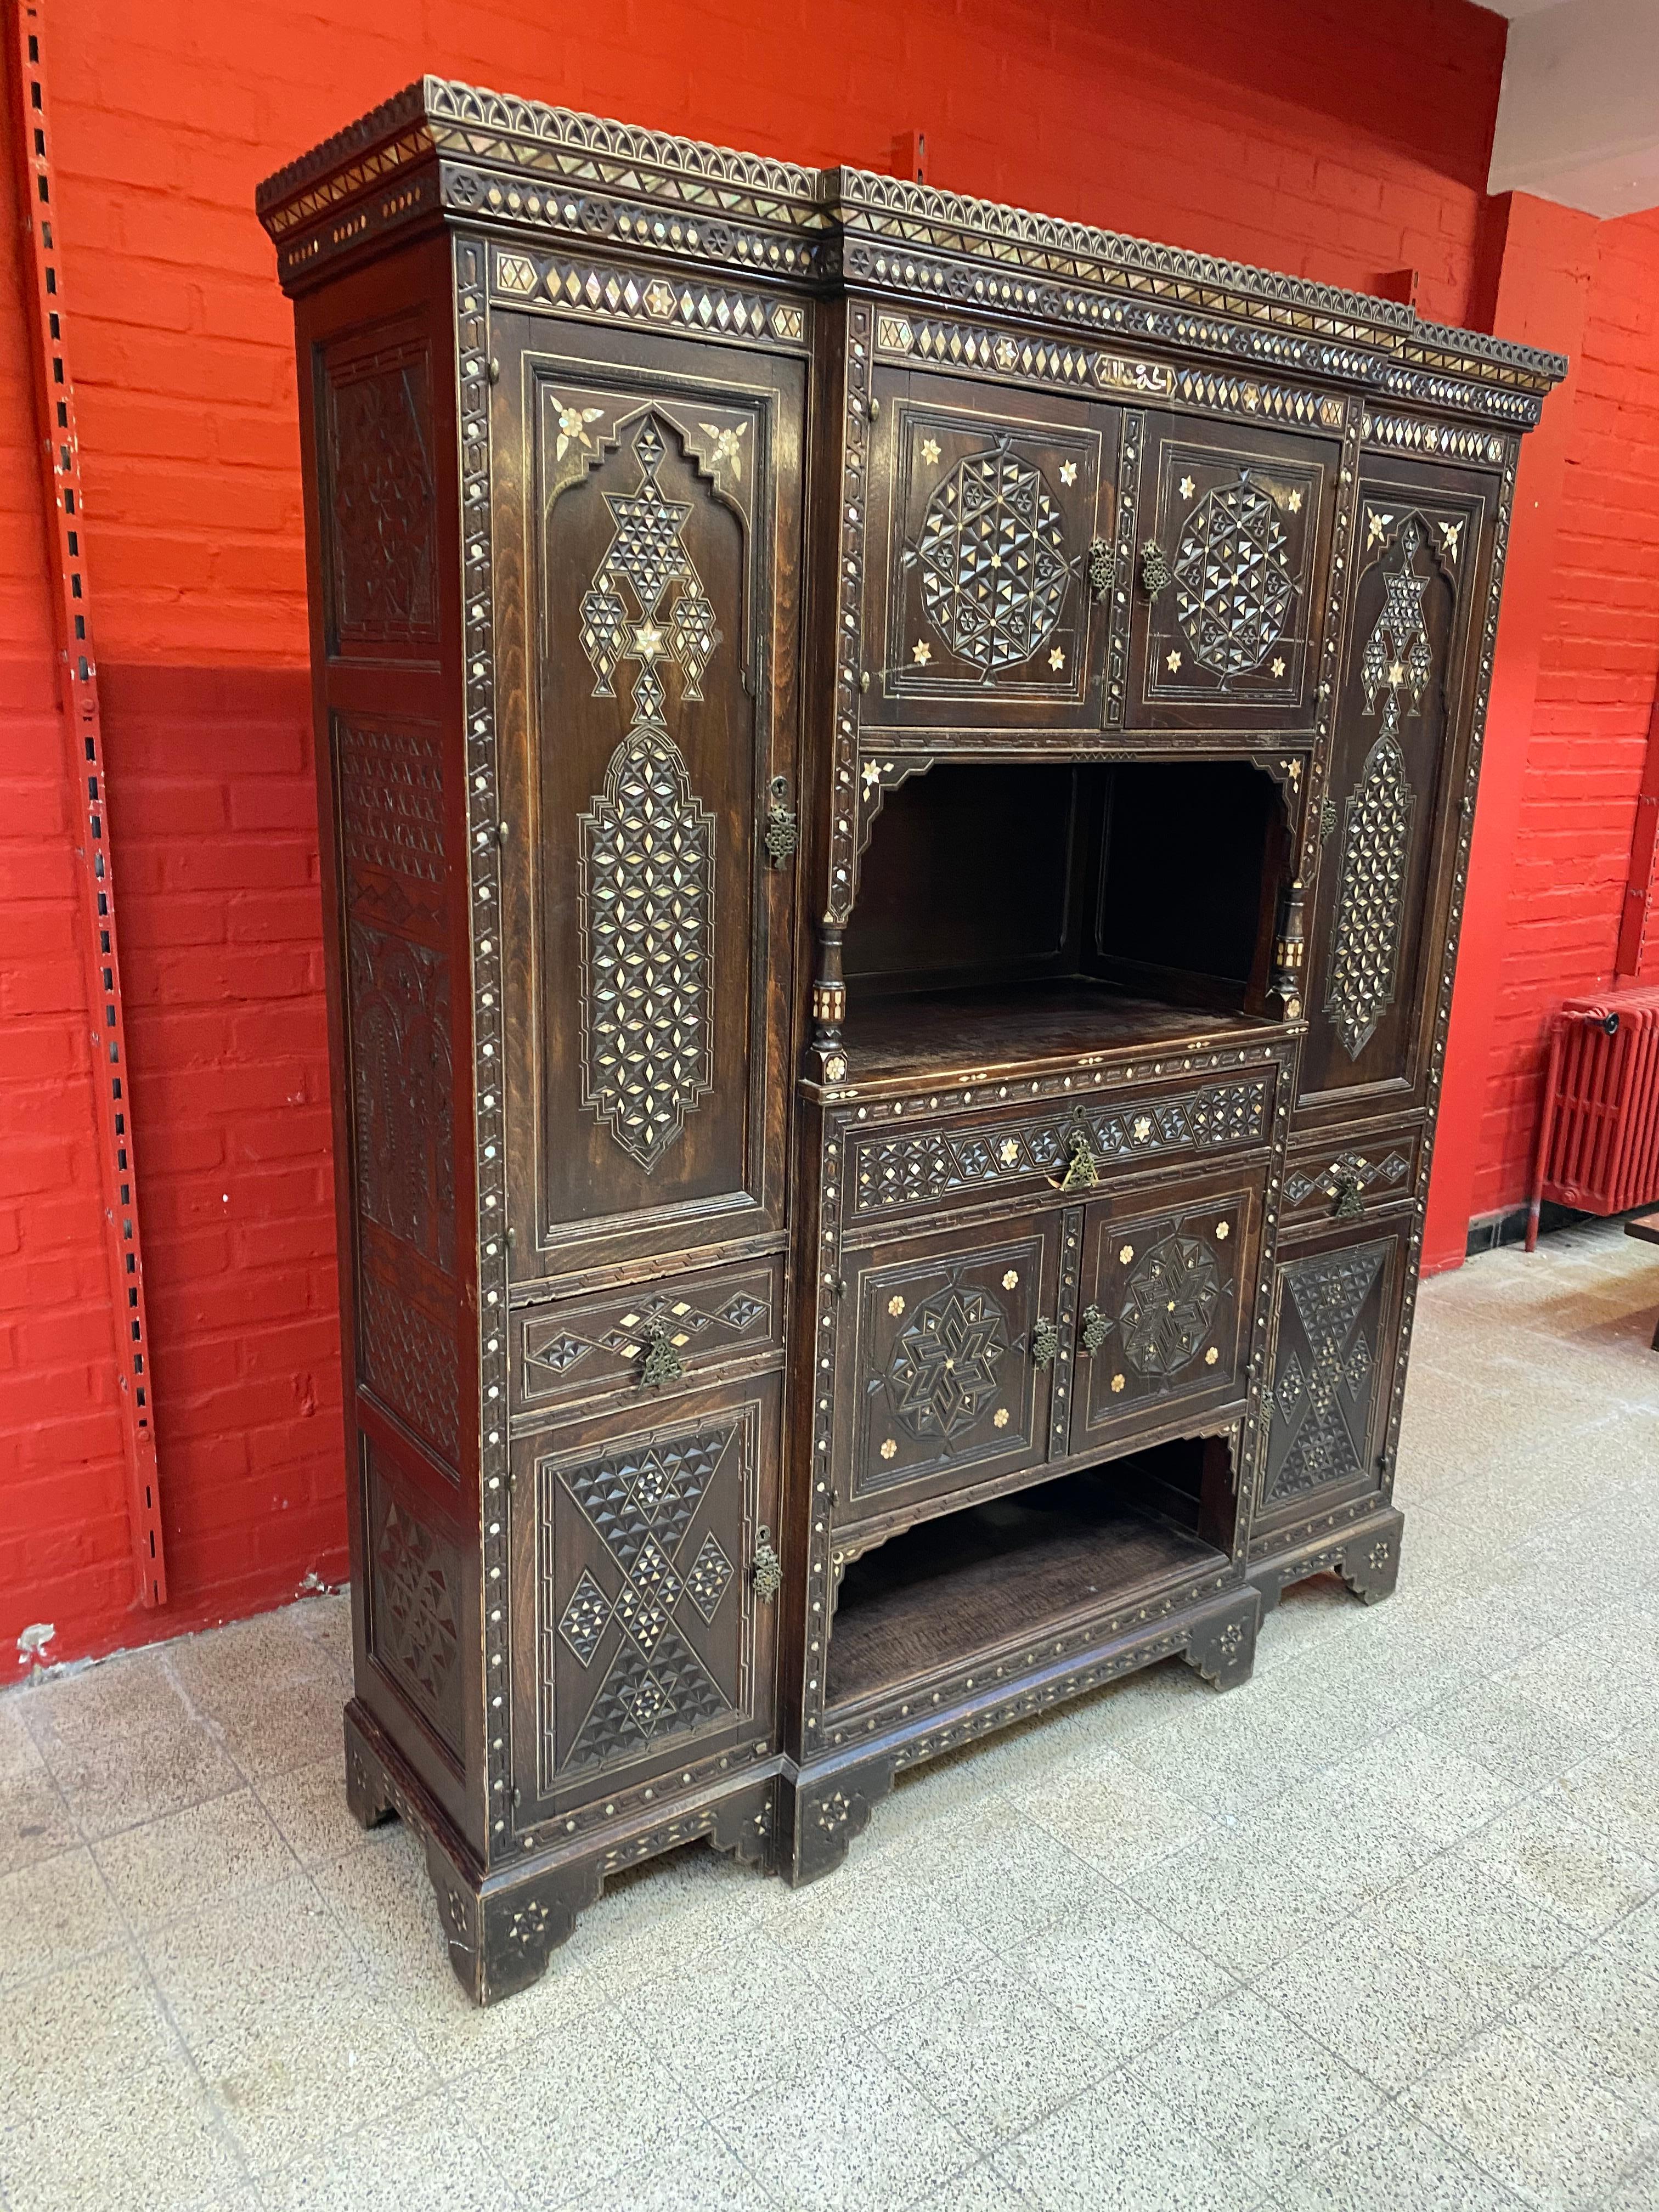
(66, 526)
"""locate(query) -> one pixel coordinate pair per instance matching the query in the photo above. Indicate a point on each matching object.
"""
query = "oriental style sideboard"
(895, 790)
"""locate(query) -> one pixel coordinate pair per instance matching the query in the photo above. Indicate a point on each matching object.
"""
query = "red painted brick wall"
(1599, 667)
(1303, 134)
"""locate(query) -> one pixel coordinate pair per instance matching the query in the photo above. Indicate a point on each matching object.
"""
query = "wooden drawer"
(909, 1165)
(1228, 615)
(1165, 1305)
(941, 1381)
(693, 1326)
(1351, 1177)
(984, 503)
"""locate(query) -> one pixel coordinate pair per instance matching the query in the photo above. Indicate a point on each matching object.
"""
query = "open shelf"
(991, 1576)
(934, 1032)
(1014, 911)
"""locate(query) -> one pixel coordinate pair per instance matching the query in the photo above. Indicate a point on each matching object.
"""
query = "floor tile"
(1120, 1975)
(99, 2103)
(308, 1805)
(1603, 2007)
(35, 1822)
(1110, 1814)
(1393, 2165)
(1456, 1915)
(422, 2158)
(692, 2166)
(1522, 1743)
(1108, 2152)
(1539, 2120)
(990, 2053)
(875, 2139)
(1244, 2077)
(120, 1777)
(54, 1912)
(1635, 1939)
(1581, 1876)
(183, 1861)
(1386, 2012)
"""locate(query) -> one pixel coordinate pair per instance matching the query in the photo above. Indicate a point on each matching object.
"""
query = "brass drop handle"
(1349, 1200)
(1102, 567)
(1082, 1169)
(1156, 573)
(662, 1362)
(782, 837)
(767, 1574)
(1045, 1343)
(1095, 1330)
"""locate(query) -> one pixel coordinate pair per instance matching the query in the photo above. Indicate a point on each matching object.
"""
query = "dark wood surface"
(954, 1590)
(950, 1033)
(1645, 1225)
(893, 838)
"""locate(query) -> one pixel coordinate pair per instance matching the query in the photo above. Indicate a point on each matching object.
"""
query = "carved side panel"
(1384, 822)
(416, 1604)
(646, 1550)
(399, 1017)
(1328, 1360)
(381, 532)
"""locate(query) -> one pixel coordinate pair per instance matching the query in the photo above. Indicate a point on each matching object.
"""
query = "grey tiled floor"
(1380, 1929)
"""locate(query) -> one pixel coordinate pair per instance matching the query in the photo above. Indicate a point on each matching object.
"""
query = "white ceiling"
(1578, 117)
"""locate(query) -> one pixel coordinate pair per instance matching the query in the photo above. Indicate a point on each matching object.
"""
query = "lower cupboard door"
(644, 1597)
(1336, 1311)
(946, 1375)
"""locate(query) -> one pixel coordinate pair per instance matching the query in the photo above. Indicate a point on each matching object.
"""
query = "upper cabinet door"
(1392, 811)
(984, 504)
(650, 559)
(1227, 601)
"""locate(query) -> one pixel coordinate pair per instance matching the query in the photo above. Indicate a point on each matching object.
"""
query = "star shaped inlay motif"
(1057, 659)
(1294, 502)
(1172, 661)
(647, 643)
(921, 653)
(930, 451)
(1277, 664)
(1068, 472)
(1187, 486)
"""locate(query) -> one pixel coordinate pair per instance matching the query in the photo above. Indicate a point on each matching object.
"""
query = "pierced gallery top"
(896, 782)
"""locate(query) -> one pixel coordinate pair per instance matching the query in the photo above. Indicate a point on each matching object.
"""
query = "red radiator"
(1598, 1145)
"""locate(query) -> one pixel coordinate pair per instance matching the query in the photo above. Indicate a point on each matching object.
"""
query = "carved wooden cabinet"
(895, 791)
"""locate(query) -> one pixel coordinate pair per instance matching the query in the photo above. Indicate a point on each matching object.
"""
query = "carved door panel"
(643, 1551)
(1332, 1361)
(649, 900)
(1165, 1307)
(984, 503)
(957, 1356)
(1392, 815)
(1232, 537)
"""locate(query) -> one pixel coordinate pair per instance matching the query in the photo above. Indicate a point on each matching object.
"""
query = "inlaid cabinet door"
(644, 1548)
(1334, 1343)
(1163, 1316)
(984, 504)
(1231, 538)
(948, 1372)
(654, 512)
(1392, 813)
